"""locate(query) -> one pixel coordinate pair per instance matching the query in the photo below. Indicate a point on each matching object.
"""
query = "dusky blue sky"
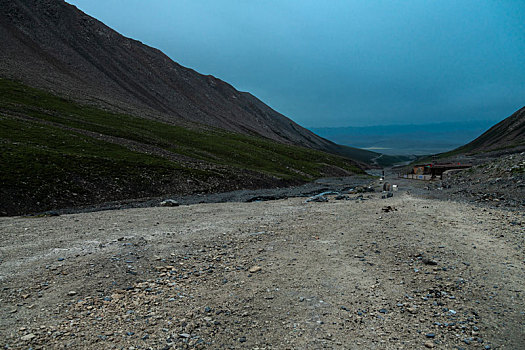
(344, 63)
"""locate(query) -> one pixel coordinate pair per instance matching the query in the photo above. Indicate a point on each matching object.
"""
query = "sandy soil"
(280, 274)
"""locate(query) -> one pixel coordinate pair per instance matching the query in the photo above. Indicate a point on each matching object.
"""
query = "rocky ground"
(492, 182)
(404, 272)
(499, 182)
(355, 183)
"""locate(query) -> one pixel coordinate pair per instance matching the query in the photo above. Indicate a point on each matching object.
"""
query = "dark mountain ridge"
(52, 45)
(507, 136)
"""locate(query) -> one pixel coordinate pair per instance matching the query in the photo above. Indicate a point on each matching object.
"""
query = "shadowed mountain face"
(52, 45)
(88, 116)
(508, 136)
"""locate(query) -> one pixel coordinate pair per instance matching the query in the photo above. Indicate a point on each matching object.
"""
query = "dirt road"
(279, 274)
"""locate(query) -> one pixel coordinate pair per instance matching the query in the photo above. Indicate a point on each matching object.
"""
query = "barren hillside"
(508, 136)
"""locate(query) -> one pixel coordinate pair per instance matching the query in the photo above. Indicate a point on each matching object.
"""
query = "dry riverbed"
(280, 274)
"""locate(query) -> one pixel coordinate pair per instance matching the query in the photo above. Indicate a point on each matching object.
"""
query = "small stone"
(412, 310)
(242, 339)
(429, 344)
(427, 261)
(184, 335)
(430, 335)
(28, 337)
(71, 293)
(383, 311)
(255, 269)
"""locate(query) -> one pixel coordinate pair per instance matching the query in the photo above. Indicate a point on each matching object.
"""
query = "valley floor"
(280, 274)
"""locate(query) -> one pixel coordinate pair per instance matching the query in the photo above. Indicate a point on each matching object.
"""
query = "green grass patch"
(42, 160)
(51, 157)
(216, 146)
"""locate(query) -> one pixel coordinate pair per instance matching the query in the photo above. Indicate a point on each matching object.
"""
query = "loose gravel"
(280, 274)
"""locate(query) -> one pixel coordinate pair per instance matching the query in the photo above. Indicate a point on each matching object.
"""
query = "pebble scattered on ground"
(269, 275)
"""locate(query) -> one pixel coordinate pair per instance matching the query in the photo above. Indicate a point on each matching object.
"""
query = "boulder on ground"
(169, 203)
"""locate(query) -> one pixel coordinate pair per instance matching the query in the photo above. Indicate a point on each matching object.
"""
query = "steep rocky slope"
(497, 182)
(507, 136)
(113, 119)
(53, 45)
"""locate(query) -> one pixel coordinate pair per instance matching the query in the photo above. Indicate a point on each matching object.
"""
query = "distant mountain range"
(408, 139)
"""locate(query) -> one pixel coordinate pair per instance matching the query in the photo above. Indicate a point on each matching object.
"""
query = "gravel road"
(368, 273)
